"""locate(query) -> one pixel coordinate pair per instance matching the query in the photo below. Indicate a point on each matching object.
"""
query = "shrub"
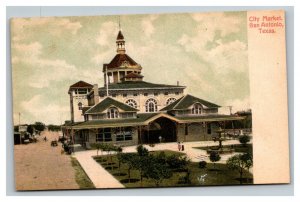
(202, 164)
(142, 151)
(244, 139)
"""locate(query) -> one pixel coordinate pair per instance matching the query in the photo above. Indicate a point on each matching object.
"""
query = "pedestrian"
(45, 138)
(182, 147)
(159, 139)
(179, 146)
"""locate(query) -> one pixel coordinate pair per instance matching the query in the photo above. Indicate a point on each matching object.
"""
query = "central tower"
(121, 68)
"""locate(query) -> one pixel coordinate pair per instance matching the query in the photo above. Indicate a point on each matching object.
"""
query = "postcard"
(152, 100)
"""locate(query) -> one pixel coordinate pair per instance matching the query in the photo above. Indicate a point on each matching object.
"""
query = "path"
(38, 166)
(97, 174)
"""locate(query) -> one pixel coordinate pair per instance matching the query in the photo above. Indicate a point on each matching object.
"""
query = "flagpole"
(106, 82)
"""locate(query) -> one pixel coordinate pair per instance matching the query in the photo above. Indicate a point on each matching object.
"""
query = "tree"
(130, 159)
(214, 157)
(240, 162)
(119, 154)
(244, 139)
(157, 170)
(142, 151)
(98, 147)
(39, 126)
(30, 129)
(177, 162)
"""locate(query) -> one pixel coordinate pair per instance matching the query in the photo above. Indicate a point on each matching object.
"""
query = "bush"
(177, 162)
(244, 139)
(142, 151)
(202, 164)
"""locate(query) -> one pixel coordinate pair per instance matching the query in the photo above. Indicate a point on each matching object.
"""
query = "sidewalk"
(97, 174)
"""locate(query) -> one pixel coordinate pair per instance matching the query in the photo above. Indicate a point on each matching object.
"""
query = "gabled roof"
(118, 60)
(138, 85)
(186, 101)
(133, 75)
(108, 102)
(120, 35)
(81, 84)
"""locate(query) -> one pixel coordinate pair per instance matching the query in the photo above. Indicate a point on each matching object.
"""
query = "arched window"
(80, 106)
(197, 109)
(170, 100)
(132, 103)
(112, 113)
(151, 105)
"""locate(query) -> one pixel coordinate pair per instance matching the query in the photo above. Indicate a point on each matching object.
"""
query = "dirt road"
(38, 166)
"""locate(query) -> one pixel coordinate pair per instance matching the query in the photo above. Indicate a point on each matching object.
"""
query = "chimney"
(177, 83)
(96, 93)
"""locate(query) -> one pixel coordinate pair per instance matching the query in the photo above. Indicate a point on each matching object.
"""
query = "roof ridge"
(95, 105)
(182, 98)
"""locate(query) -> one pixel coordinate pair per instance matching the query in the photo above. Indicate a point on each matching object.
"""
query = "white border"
(144, 3)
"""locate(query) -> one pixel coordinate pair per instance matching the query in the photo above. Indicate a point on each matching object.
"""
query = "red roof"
(133, 75)
(120, 36)
(119, 59)
(81, 84)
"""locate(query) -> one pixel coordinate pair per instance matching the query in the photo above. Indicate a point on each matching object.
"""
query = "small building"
(128, 110)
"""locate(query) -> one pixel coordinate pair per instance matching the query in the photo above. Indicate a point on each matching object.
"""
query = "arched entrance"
(161, 127)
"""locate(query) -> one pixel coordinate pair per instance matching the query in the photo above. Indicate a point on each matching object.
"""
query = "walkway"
(97, 174)
(103, 179)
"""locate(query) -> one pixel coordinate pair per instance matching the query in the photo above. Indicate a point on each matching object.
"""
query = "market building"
(128, 110)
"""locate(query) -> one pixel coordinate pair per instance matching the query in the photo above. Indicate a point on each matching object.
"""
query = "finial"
(119, 22)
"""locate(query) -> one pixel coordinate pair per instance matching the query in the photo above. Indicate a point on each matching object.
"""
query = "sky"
(207, 52)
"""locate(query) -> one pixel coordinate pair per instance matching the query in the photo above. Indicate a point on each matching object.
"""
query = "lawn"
(237, 148)
(220, 175)
(81, 177)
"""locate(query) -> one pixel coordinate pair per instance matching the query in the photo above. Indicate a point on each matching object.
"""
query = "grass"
(81, 177)
(220, 175)
(237, 148)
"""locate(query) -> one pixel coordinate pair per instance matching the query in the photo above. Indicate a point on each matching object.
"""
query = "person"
(182, 147)
(179, 146)
(160, 138)
(45, 138)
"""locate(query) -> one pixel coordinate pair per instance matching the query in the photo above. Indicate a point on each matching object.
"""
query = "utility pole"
(19, 118)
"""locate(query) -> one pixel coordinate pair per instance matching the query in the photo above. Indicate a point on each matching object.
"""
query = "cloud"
(147, 25)
(106, 31)
(208, 42)
(35, 109)
(30, 54)
(52, 25)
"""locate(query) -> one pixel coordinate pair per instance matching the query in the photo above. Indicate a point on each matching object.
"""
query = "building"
(128, 110)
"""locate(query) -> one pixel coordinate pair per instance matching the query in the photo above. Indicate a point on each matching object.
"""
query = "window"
(135, 94)
(80, 106)
(145, 94)
(208, 128)
(155, 94)
(170, 100)
(176, 93)
(197, 109)
(112, 113)
(97, 116)
(166, 93)
(82, 91)
(132, 103)
(103, 135)
(123, 136)
(151, 105)
(114, 95)
(125, 95)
